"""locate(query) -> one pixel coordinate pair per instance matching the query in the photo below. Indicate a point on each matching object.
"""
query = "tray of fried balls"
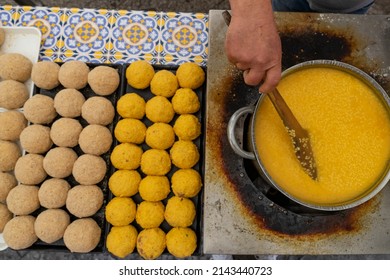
(155, 205)
(63, 171)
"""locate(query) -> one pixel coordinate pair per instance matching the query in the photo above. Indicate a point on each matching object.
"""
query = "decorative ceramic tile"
(7, 15)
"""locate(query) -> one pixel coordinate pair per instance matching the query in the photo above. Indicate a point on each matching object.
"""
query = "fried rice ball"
(103, 80)
(181, 242)
(186, 183)
(50, 225)
(155, 162)
(121, 240)
(11, 125)
(68, 102)
(130, 131)
(164, 83)
(184, 154)
(89, 169)
(82, 235)
(98, 110)
(53, 193)
(59, 161)
(187, 127)
(150, 214)
(19, 232)
(124, 183)
(13, 94)
(120, 211)
(95, 139)
(73, 74)
(185, 101)
(139, 74)
(2, 36)
(23, 199)
(9, 155)
(29, 169)
(5, 216)
(154, 188)
(44, 74)
(65, 132)
(126, 156)
(179, 212)
(190, 75)
(15, 66)
(7, 183)
(159, 109)
(151, 243)
(39, 109)
(160, 136)
(35, 139)
(84, 200)
(131, 105)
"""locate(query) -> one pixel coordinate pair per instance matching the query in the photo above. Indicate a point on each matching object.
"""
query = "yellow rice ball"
(190, 75)
(126, 156)
(159, 109)
(124, 183)
(131, 105)
(184, 154)
(154, 188)
(181, 242)
(151, 243)
(139, 74)
(186, 183)
(120, 211)
(164, 83)
(185, 101)
(155, 162)
(179, 212)
(121, 240)
(150, 214)
(160, 136)
(187, 127)
(130, 131)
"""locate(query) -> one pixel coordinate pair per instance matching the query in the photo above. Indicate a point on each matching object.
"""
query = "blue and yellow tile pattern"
(114, 36)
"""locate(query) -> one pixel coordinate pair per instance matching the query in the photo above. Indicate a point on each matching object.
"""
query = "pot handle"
(231, 136)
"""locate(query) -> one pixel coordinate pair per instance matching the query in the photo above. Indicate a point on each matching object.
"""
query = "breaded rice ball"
(187, 127)
(13, 94)
(120, 211)
(35, 139)
(5, 216)
(9, 155)
(179, 212)
(159, 109)
(53, 193)
(154, 188)
(2, 36)
(164, 83)
(131, 105)
(186, 183)
(19, 232)
(181, 242)
(139, 74)
(68, 102)
(15, 66)
(121, 241)
(89, 169)
(190, 75)
(73, 74)
(65, 132)
(98, 110)
(82, 235)
(7, 183)
(44, 74)
(59, 161)
(103, 80)
(130, 131)
(151, 243)
(150, 214)
(185, 101)
(29, 169)
(126, 156)
(184, 154)
(11, 125)
(23, 199)
(155, 162)
(84, 200)
(124, 183)
(39, 109)
(51, 224)
(95, 139)
(160, 136)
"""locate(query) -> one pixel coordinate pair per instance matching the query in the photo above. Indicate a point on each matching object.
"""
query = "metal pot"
(254, 155)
